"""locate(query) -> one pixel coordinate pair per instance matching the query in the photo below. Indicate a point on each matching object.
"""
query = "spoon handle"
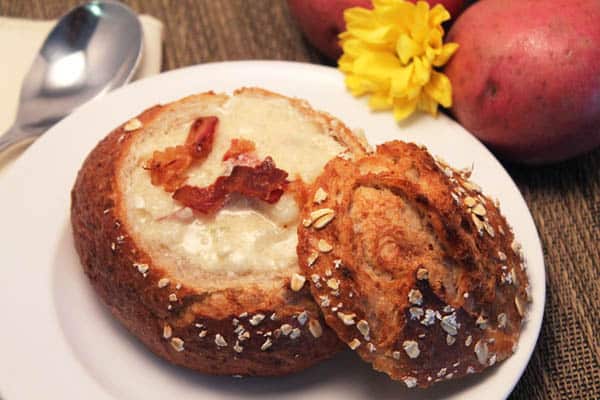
(15, 136)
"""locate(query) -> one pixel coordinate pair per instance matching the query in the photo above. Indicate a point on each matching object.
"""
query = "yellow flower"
(391, 52)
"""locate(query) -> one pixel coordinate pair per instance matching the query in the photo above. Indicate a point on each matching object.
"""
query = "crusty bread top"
(412, 265)
(249, 241)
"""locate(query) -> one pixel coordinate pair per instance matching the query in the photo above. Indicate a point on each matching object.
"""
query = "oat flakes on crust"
(423, 279)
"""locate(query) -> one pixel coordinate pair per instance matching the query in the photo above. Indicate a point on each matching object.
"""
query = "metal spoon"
(93, 49)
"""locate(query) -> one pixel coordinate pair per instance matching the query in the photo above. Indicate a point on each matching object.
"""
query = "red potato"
(322, 20)
(526, 78)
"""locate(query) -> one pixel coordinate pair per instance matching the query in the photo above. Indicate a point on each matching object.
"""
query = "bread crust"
(233, 331)
(417, 270)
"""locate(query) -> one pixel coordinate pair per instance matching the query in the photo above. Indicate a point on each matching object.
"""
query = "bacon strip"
(264, 181)
(201, 137)
(239, 147)
(168, 167)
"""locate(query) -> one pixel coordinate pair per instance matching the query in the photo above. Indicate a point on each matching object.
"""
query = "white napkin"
(20, 40)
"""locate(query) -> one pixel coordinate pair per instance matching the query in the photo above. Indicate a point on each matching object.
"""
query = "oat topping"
(354, 344)
(481, 351)
(470, 370)
(167, 331)
(315, 328)
(312, 258)
(244, 336)
(479, 210)
(470, 202)
(319, 218)
(333, 283)
(422, 274)
(320, 196)
(371, 347)
(363, 328)
(396, 355)
(172, 297)
(142, 268)
(132, 125)
(328, 272)
(177, 344)
(468, 340)
(501, 256)
(163, 283)
(502, 319)
(202, 333)
(268, 343)
(337, 263)
(450, 325)
(325, 302)
(243, 315)
(415, 313)
(220, 340)
(285, 329)
(303, 318)
(323, 246)
(411, 348)
(481, 322)
(297, 282)
(520, 306)
(415, 297)
(450, 340)
(410, 382)
(256, 319)
(295, 334)
(429, 318)
(347, 319)
(237, 348)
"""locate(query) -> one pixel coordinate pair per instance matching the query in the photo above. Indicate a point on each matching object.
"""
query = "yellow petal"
(427, 104)
(437, 15)
(377, 66)
(357, 85)
(380, 101)
(346, 63)
(401, 80)
(447, 51)
(403, 108)
(406, 48)
(381, 35)
(439, 89)
(358, 16)
(422, 71)
(420, 22)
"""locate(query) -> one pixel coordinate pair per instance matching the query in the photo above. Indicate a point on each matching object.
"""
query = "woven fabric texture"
(564, 198)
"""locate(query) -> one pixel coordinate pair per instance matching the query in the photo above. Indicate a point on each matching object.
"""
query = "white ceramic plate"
(58, 342)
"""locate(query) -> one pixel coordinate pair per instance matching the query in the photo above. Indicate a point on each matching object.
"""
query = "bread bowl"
(412, 265)
(209, 291)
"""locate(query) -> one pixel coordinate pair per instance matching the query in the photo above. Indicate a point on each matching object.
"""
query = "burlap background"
(564, 198)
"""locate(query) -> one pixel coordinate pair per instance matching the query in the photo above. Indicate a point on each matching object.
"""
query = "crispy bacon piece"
(239, 147)
(201, 137)
(168, 167)
(264, 181)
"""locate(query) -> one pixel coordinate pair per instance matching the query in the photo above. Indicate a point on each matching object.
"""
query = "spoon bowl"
(92, 50)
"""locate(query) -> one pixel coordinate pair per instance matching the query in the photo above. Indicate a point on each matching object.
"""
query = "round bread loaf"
(218, 291)
(413, 267)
